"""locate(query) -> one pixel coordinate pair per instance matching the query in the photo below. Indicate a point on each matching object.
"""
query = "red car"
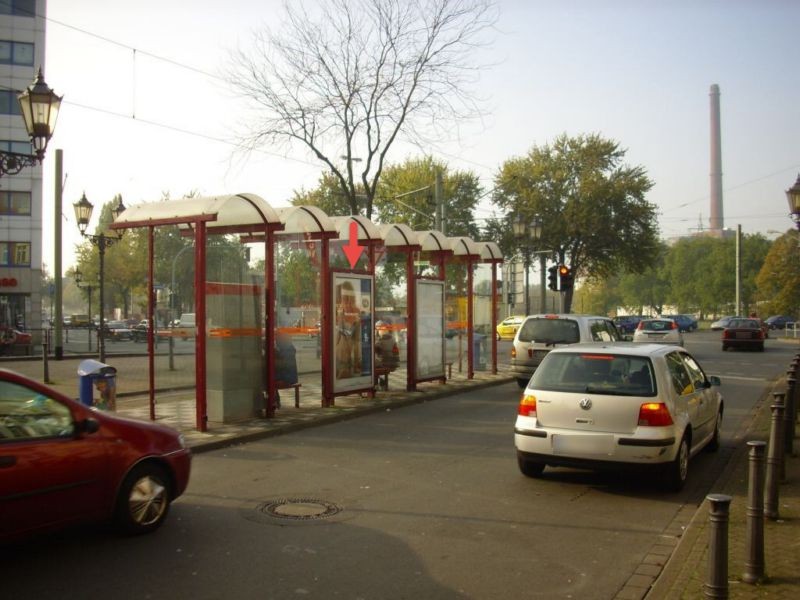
(10, 337)
(62, 462)
(743, 333)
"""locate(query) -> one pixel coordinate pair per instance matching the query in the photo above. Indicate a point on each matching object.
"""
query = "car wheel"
(678, 469)
(143, 501)
(761, 348)
(522, 383)
(714, 444)
(530, 468)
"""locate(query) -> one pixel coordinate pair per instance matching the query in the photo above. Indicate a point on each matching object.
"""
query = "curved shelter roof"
(399, 235)
(230, 211)
(464, 246)
(433, 241)
(306, 219)
(367, 230)
(490, 252)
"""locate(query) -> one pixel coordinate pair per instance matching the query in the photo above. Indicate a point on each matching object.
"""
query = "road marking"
(723, 376)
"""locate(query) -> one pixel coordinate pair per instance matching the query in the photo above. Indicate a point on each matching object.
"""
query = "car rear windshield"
(616, 375)
(662, 325)
(743, 324)
(550, 331)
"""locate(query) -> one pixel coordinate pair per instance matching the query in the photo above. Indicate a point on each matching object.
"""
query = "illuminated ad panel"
(430, 329)
(352, 332)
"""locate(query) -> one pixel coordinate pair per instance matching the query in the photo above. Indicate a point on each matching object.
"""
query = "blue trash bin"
(479, 352)
(94, 373)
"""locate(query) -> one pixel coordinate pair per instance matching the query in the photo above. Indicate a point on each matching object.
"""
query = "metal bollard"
(779, 398)
(754, 542)
(774, 459)
(45, 362)
(716, 585)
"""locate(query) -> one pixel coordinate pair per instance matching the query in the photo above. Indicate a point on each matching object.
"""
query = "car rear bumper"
(592, 450)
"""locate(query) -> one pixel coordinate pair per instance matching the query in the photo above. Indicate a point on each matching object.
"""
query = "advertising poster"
(430, 330)
(352, 332)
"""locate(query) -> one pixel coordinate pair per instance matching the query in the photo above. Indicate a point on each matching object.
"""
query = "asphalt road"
(430, 505)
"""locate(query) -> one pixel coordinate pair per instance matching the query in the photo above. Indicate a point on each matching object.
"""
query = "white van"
(539, 334)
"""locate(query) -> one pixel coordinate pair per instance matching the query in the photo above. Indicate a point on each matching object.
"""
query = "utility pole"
(739, 270)
(57, 274)
(438, 196)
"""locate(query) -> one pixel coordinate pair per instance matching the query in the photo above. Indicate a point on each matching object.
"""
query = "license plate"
(583, 444)
(743, 335)
(655, 335)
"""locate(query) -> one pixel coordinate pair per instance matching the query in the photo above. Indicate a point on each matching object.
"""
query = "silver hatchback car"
(539, 334)
(610, 405)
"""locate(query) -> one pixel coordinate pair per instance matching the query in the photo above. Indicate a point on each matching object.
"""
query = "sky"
(147, 113)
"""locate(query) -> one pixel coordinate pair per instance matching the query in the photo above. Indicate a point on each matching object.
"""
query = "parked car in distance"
(626, 324)
(685, 323)
(117, 331)
(743, 333)
(595, 406)
(507, 328)
(722, 323)
(779, 321)
(14, 342)
(66, 463)
(539, 334)
(660, 331)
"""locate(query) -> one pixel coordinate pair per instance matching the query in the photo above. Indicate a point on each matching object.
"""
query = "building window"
(20, 8)
(18, 147)
(16, 53)
(9, 105)
(15, 203)
(15, 254)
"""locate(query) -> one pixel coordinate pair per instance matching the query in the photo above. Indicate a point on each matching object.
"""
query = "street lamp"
(527, 232)
(86, 286)
(83, 213)
(793, 196)
(39, 108)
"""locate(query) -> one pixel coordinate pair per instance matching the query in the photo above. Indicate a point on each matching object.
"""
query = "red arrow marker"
(352, 249)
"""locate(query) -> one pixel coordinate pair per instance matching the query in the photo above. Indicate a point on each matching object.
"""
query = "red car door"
(49, 474)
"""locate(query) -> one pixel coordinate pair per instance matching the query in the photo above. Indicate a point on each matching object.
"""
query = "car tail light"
(395, 350)
(674, 325)
(513, 352)
(726, 334)
(640, 326)
(654, 414)
(527, 406)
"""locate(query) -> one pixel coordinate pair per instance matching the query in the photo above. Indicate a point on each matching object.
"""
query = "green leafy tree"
(778, 280)
(593, 208)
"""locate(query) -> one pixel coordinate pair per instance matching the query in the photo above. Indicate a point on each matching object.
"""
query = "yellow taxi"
(507, 329)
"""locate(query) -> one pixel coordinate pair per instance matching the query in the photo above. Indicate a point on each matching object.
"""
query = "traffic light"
(552, 278)
(565, 278)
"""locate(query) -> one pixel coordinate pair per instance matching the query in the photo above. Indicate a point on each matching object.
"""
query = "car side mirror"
(88, 425)
(714, 380)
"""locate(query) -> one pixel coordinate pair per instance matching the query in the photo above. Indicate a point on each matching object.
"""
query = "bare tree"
(348, 78)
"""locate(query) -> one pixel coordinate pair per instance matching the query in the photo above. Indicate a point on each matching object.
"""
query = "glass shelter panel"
(234, 296)
(174, 333)
(298, 340)
(391, 302)
(456, 318)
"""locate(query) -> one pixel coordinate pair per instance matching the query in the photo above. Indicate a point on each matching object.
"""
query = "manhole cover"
(299, 509)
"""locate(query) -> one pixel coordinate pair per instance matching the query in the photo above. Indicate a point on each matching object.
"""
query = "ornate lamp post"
(39, 108)
(793, 196)
(86, 286)
(527, 232)
(83, 213)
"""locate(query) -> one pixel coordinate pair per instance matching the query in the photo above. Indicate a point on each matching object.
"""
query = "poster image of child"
(347, 340)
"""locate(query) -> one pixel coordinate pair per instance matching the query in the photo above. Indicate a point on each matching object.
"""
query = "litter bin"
(479, 351)
(104, 377)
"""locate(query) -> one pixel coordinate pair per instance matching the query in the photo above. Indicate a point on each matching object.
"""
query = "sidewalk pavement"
(686, 572)
(175, 400)
(680, 571)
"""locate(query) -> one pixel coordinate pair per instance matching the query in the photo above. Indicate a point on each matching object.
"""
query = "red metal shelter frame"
(244, 214)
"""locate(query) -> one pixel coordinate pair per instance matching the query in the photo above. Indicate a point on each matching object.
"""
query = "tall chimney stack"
(716, 221)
